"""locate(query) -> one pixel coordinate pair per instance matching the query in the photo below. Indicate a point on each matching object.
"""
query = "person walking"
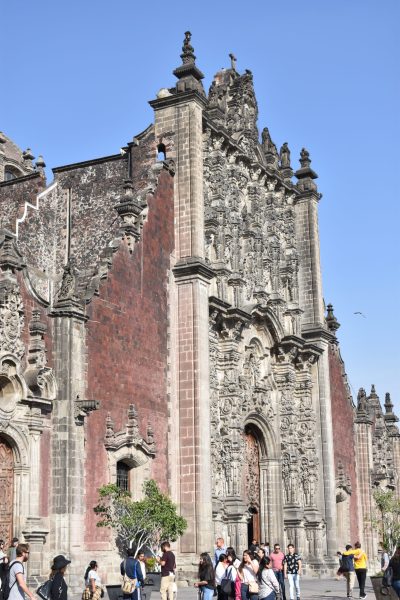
(3, 566)
(130, 567)
(17, 585)
(292, 570)
(142, 564)
(394, 562)
(12, 550)
(269, 586)
(247, 574)
(59, 589)
(384, 558)
(277, 557)
(220, 572)
(93, 580)
(206, 575)
(360, 568)
(220, 548)
(168, 566)
(347, 568)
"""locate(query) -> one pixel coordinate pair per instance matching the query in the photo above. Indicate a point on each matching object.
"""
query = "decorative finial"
(331, 321)
(188, 73)
(305, 160)
(187, 55)
(40, 162)
(233, 61)
(27, 154)
(373, 392)
(388, 403)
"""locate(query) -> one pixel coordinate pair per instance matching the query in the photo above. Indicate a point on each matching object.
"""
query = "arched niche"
(12, 386)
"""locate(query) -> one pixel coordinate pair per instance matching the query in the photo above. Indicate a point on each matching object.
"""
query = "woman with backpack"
(220, 576)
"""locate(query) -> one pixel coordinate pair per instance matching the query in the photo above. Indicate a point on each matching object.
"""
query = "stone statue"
(284, 156)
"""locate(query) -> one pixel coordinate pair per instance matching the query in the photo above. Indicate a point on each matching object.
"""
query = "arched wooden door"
(6, 491)
(252, 484)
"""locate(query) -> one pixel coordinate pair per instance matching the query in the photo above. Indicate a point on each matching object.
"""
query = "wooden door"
(252, 484)
(6, 491)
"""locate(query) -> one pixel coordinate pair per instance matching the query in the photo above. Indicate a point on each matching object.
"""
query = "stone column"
(67, 503)
(178, 126)
(315, 331)
(273, 500)
(364, 461)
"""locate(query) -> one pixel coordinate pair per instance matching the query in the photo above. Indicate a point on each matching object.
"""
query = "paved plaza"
(311, 589)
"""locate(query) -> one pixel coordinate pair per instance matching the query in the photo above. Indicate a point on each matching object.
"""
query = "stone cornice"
(193, 268)
(179, 98)
(317, 332)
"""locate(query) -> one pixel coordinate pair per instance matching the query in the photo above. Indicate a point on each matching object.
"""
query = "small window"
(161, 152)
(11, 173)
(123, 476)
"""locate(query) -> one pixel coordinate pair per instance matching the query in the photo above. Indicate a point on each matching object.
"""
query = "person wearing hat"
(59, 589)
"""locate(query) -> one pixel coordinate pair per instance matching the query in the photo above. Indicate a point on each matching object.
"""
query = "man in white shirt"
(18, 587)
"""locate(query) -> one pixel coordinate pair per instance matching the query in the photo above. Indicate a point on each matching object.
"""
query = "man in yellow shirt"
(360, 566)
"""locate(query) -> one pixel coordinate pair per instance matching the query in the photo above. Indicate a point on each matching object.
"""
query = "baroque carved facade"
(165, 318)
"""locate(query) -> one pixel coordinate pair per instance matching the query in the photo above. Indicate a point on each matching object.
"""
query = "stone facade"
(162, 313)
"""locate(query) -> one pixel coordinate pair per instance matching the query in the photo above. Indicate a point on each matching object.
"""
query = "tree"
(143, 523)
(388, 521)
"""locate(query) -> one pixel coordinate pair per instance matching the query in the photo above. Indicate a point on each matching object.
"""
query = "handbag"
(44, 590)
(227, 586)
(227, 583)
(254, 588)
(86, 594)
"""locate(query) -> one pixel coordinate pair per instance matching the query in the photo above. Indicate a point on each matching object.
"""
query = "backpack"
(129, 585)
(347, 563)
(228, 584)
(6, 582)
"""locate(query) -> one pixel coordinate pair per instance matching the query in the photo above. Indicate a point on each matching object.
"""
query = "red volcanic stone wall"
(127, 348)
(343, 432)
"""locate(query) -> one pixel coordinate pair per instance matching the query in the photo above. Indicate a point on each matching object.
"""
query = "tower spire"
(188, 73)
(331, 321)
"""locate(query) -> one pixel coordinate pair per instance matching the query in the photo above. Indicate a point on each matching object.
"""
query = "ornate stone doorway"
(6, 490)
(252, 483)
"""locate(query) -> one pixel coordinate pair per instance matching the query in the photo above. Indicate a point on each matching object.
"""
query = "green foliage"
(151, 564)
(146, 522)
(387, 521)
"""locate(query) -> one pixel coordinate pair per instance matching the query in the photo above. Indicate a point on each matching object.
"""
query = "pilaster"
(364, 461)
(178, 127)
(315, 331)
(67, 502)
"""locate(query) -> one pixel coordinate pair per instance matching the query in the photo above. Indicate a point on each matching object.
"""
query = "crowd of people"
(259, 575)
(13, 584)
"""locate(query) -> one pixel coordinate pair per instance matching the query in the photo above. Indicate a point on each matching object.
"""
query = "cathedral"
(162, 316)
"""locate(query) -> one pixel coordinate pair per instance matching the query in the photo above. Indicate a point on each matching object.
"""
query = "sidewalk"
(311, 589)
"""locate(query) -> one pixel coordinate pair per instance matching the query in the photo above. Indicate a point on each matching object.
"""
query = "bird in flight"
(360, 313)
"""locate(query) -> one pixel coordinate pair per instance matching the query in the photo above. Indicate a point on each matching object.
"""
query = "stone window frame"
(139, 463)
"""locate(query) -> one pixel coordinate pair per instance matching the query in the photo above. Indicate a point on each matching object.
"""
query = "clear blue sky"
(77, 75)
